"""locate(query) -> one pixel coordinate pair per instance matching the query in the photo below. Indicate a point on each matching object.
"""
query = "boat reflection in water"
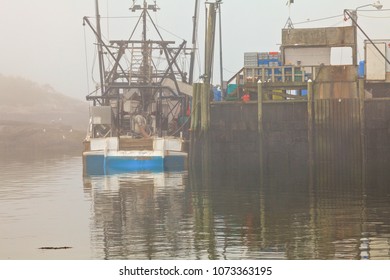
(137, 215)
(168, 216)
(240, 212)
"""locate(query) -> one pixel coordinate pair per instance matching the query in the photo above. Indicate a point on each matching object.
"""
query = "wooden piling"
(310, 126)
(260, 109)
(260, 125)
(362, 126)
(195, 108)
(204, 135)
(195, 122)
(261, 154)
(205, 108)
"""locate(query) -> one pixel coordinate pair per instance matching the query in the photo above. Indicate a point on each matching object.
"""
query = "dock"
(324, 116)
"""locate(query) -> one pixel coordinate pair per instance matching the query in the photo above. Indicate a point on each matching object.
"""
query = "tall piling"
(362, 126)
(310, 123)
(195, 121)
(200, 134)
(195, 108)
(260, 125)
(205, 108)
(208, 73)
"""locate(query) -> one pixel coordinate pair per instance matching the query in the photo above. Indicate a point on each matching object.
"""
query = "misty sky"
(43, 40)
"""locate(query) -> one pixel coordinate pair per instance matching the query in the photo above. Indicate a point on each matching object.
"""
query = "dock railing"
(282, 76)
(286, 73)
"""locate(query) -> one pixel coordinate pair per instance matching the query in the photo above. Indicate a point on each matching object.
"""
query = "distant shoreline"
(23, 138)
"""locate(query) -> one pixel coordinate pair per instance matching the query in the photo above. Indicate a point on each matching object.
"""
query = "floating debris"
(55, 248)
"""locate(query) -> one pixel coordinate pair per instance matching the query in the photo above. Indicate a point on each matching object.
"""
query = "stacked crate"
(263, 59)
(251, 60)
(270, 59)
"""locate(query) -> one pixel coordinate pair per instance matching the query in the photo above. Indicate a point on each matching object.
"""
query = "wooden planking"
(132, 144)
(337, 143)
(338, 147)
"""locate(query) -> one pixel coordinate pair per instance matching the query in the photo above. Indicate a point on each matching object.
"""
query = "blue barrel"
(361, 69)
(217, 94)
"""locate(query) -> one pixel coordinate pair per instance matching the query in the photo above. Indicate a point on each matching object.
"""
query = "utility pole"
(353, 16)
(219, 2)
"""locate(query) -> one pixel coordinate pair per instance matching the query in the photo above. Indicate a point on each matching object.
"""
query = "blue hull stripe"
(100, 165)
(134, 164)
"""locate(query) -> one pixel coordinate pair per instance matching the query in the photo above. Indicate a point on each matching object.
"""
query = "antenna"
(289, 22)
(145, 6)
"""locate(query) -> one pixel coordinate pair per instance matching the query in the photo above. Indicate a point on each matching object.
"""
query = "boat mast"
(194, 36)
(100, 49)
(145, 57)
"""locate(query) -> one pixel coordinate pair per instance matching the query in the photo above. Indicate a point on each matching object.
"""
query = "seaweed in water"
(55, 248)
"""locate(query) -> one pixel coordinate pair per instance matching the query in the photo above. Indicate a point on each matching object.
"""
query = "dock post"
(261, 157)
(362, 126)
(194, 123)
(204, 135)
(194, 113)
(260, 124)
(205, 108)
(310, 123)
(260, 108)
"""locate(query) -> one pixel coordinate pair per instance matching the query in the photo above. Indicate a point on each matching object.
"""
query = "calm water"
(227, 214)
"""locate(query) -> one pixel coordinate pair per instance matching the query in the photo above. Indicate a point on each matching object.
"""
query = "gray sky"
(43, 40)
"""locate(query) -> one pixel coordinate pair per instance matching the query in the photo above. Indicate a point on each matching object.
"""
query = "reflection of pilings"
(262, 209)
(204, 231)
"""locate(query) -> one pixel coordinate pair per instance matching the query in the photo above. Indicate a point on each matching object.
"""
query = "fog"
(45, 41)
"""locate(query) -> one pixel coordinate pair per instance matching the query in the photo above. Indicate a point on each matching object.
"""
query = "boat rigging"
(134, 86)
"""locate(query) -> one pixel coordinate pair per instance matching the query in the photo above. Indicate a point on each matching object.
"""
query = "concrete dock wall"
(337, 134)
(234, 132)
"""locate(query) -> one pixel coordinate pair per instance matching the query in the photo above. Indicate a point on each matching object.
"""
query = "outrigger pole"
(194, 36)
(100, 48)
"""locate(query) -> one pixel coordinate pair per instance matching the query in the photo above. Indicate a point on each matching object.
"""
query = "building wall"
(311, 37)
(335, 82)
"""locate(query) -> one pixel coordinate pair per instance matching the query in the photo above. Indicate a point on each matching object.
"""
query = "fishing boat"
(139, 114)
